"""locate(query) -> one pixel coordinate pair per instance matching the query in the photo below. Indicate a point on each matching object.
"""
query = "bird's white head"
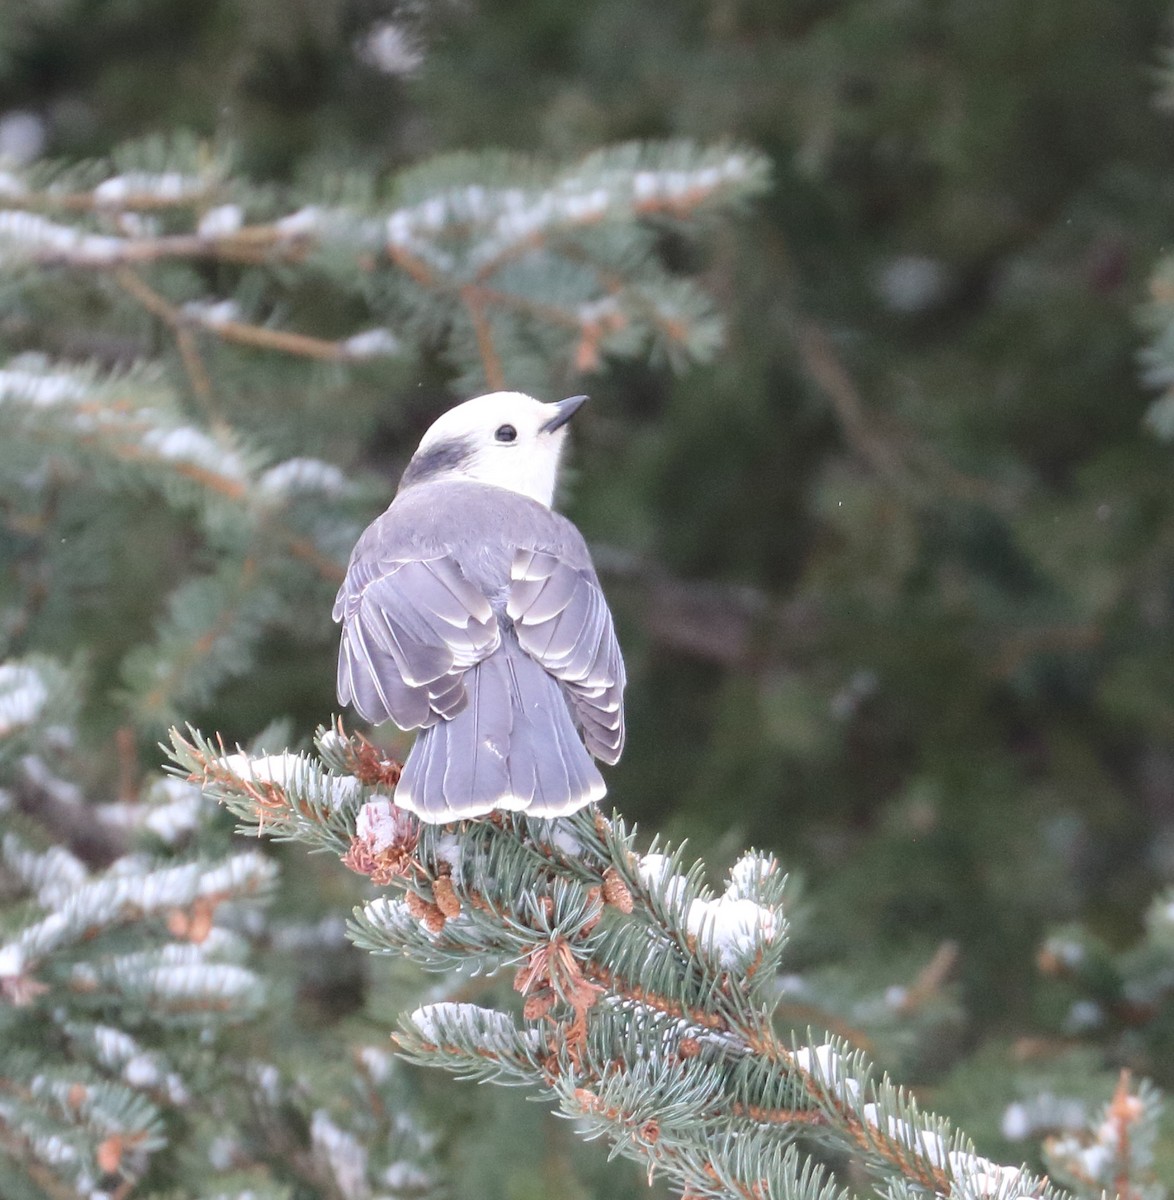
(506, 439)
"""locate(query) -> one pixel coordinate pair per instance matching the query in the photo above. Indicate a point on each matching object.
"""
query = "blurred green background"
(893, 574)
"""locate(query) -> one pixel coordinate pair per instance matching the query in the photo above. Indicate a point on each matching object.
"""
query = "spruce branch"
(567, 254)
(128, 430)
(647, 1000)
(1115, 1151)
(121, 985)
(521, 273)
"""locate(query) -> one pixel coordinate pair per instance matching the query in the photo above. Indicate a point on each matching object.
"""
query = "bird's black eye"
(506, 433)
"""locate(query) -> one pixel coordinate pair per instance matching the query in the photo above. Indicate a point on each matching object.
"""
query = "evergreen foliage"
(647, 1000)
(891, 571)
(132, 987)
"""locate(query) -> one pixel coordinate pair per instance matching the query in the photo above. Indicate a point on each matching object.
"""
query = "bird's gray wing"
(563, 622)
(410, 630)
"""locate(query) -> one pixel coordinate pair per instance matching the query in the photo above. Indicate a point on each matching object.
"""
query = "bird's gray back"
(479, 526)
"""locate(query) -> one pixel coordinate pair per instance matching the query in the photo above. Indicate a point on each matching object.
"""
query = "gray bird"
(472, 612)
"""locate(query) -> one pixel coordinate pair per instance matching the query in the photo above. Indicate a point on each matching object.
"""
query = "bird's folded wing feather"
(563, 622)
(410, 629)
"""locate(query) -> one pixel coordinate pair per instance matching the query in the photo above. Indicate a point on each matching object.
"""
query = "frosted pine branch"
(128, 429)
(502, 250)
(117, 986)
(87, 909)
(646, 999)
(518, 273)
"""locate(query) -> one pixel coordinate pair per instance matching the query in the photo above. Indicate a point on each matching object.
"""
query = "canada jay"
(471, 611)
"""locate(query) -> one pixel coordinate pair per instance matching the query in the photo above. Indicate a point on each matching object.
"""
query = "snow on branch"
(476, 226)
(506, 247)
(113, 899)
(645, 998)
(128, 430)
(132, 422)
(29, 689)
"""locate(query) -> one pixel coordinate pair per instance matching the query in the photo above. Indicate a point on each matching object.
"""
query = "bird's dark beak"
(564, 410)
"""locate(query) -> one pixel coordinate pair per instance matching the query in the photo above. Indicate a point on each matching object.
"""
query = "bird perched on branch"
(472, 612)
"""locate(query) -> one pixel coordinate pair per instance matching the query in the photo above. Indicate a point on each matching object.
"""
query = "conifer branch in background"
(124, 990)
(501, 248)
(487, 260)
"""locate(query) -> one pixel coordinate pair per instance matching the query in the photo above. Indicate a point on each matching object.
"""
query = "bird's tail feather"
(513, 745)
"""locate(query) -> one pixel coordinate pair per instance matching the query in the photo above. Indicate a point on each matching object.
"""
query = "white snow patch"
(826, 1063)
(390, 49)
(736, 930)
(1070, 953)
(656, 873)
(222, 1153)
(32, 234)
(23, 695)
(218, 981)
(222, 221)
(54, 875)
(12, 187)
(167, 187)
(749, 874)
(1016, 1123)
(492, 1030)
(281, 769)
(39, 389)
(22, 136)
(142, 1071)
(114, 1046)
(407, 1177)
(267, 1080)
(376, 1062)
(301, 475)
(303, 222)
(185, 443)
(654, 869)
(343, 1152)
(1083, 1016)
(896, 996)
(983, 1177)
(381, 824)
(399, 228)
(172, 810)
(212, 313)
(448, 849)
(563, 839)
(372, 343)
(921, 1141)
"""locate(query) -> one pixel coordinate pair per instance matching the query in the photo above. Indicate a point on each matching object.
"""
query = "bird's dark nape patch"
(444, 456)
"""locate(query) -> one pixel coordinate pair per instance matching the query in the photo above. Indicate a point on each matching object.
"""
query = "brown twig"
(301, 345)
(490, 362)
(182, 323)
(254, 250)
(67, 816)
(86, 202)
(413, 266)
(134, 285)
(931, 978)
